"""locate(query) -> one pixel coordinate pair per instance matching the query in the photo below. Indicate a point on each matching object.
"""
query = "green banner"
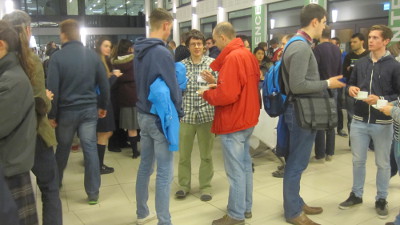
(258, 29)
(394, 19)
(319, 2)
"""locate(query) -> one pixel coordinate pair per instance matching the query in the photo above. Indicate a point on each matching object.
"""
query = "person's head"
(172, 44)
(124, 47)
(183, 37)
(335, 41)
(209, 42)
(69, 31)
(8, 38)
(245, 40)
(285, 39)
(50, 48)
(161, 23)
(263, 45)
(195, 42)
(274, 43)
(259, 53)
(223, 34)
(379, 37)
(21, 22)
(313, 19)
(357, 41)
(394, 49)
(326, 33)
(103, 46)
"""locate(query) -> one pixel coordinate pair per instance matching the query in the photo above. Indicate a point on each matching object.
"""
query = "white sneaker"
(147, 219)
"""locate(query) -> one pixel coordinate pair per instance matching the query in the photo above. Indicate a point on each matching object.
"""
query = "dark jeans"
(8, 207)
(339, 104)
(300, 146)
(45, 170)
(323, 147)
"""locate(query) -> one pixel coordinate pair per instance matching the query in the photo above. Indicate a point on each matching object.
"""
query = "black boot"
(133, 141)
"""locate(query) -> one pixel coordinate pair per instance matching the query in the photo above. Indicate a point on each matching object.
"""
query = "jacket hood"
(233, 45)
(8, 61)
(385, 57)
(142, 45)
(122, 59)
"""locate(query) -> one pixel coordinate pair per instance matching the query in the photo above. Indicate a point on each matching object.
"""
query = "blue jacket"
(73, 73)
(153, 60)
(164, 107)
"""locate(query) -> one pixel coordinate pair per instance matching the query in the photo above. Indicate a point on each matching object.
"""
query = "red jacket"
(236, 98)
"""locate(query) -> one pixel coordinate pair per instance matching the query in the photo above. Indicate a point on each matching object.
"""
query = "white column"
(195, 18)
(221, 14)
(175, 34)
(147, 14)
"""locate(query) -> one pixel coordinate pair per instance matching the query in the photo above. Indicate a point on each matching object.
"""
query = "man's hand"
(387, 109)
(334, 82)
(371, 100)
(207, 76)
(49, 94)
(53, 123)
(102, 113)
(353, 91)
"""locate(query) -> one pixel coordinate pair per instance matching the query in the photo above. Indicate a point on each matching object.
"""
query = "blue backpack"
(273, 97)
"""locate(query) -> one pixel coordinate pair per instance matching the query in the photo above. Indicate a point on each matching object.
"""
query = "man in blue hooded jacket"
(153, 60)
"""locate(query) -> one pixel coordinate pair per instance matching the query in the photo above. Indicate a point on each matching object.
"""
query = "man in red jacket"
(237, 107)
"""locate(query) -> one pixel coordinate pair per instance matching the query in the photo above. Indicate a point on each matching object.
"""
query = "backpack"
(273, 89)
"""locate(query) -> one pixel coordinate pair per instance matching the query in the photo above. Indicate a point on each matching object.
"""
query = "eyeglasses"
(196, 44)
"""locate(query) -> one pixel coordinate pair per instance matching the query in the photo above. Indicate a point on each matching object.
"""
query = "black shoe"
(381, 208)
(135, 154)
(114, 149)
(252, 167)
(342, 133)
(205, 197)
(350, 202)
(181, 194)
(106, 170)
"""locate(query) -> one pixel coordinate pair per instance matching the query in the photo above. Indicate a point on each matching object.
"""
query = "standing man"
(197, 120)
(302, 71)
(153, 60)
(329, 62)
(379, 75)
(45, 165)
(212, 50)
(182, 51)
(237, 107)
(357, 51)
(74, 73)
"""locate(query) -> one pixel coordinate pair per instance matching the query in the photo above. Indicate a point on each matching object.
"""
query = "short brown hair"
(326, 33)
(196, 35)
(386, 31)
(226, 29)
(157, 16)
(310, 12)
(70, 28)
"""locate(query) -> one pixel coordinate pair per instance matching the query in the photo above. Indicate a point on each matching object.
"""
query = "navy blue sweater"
(329, 59)
(73, 74)
(152, 60)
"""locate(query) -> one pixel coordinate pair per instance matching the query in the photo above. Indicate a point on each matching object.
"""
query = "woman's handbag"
(316, 112)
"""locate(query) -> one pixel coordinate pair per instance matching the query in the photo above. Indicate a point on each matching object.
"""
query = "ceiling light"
(334, 15)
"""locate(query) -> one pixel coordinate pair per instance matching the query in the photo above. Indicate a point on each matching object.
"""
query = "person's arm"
(228, 87)
(38, 86)
(53, 84)
(168, 74)
(103, 83)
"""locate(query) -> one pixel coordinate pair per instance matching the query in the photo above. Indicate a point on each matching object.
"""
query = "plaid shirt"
(196, 109)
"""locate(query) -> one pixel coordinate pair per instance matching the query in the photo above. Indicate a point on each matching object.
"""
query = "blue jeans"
(84, 122)
(237, 161)
(397, 157)
(300, 146)
(361, 134)
(154, 148)
(45, 170)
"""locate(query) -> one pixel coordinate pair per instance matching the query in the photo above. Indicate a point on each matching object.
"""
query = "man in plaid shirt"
(197, 120)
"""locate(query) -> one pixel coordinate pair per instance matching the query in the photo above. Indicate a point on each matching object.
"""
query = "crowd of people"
(206, 86)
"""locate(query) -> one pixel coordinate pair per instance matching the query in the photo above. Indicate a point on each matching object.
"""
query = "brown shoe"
(302, 220)
(226, 220)
(312, 210)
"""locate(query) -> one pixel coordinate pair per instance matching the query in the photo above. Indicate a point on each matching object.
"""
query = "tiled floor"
(323, 185)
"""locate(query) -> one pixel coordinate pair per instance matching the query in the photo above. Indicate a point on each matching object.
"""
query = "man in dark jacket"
(74, 74)
(213, 50)
(328, 58)
(153, 60)
(182, 51)
(379, 75)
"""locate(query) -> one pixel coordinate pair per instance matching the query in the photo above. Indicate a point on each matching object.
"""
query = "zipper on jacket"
(370, 91)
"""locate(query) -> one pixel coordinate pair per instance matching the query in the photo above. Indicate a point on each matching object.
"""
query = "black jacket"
(382, 79)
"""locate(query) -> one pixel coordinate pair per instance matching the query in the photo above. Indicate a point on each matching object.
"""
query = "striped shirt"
(196, 109)
(396, 124)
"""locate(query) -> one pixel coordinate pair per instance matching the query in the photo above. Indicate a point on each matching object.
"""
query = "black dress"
(107, 123)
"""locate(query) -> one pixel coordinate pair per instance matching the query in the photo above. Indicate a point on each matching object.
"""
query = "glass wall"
(207, 25)
(241, 21)
(184, 2)
(72, 7)
(167, 4)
